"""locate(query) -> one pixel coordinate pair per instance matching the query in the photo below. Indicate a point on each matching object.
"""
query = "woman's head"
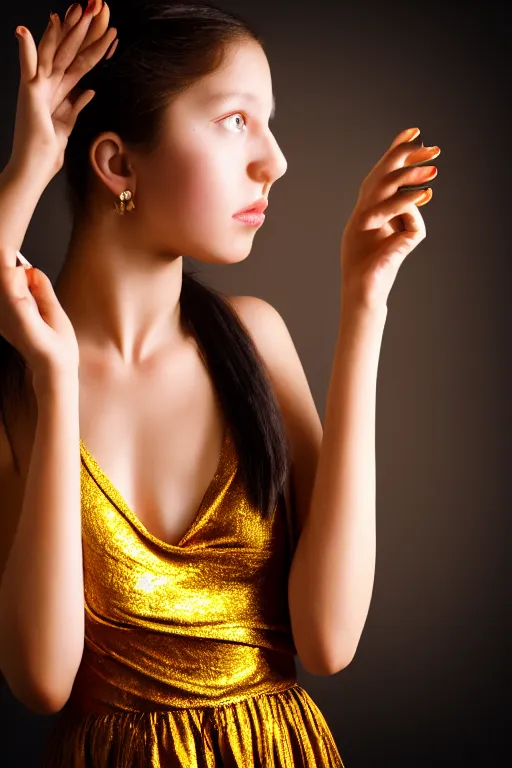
(167, 124)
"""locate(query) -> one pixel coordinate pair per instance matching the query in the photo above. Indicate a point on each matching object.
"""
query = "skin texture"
(134, 357)
(148, 412)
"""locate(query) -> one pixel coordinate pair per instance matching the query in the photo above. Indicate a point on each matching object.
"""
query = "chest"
(155, 433)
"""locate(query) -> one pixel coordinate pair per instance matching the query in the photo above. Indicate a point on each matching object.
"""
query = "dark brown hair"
(164, 47)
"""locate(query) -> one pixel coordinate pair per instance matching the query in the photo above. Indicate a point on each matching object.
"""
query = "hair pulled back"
(164, 48)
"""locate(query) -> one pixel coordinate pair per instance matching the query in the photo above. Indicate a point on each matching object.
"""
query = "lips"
(257, 207)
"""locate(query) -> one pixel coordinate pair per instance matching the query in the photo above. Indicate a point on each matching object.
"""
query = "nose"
(271, 164)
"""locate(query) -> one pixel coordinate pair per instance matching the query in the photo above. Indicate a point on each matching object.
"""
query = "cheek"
(189, 195)
(204, 185)
(193, 175)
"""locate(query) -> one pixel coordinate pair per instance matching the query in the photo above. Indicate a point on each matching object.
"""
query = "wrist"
(358, 310)
(52, 381)
(31, 169)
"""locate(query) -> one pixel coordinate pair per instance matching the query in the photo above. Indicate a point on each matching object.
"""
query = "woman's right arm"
(41, 581)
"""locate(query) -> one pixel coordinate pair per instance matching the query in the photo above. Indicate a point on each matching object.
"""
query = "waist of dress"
(167, 672)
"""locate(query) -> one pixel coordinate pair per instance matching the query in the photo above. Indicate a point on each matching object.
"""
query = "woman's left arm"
(333, 568)
(332, 574)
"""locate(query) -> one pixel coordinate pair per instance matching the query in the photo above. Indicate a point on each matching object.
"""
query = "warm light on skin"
(243, 96)
(214, 157)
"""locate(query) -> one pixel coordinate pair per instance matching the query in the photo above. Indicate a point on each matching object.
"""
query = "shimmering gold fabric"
(189, 655)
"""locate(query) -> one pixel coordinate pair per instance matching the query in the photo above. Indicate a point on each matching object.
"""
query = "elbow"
(43, 688)
(337, 666)
(324, 664)
(40, 697)
(320, 670)
(340, 659)
(43, 704)
(326, 669)
(37, 701)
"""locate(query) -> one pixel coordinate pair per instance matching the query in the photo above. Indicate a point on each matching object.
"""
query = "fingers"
(112, 50)
(395, 247)
(421, 155)
(48, 45)
(400, 203)
(405, 144)
(7, 257)
(396, 169)
(413, 222)
(90, 56)
(404, 177)
(72, 43)
(406, 154)
(98, 27)
(81, 102)
(409, 134)
(83, 63)
(28, 54)
(71, 17)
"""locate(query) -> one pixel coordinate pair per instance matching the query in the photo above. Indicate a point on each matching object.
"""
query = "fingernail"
(424, 197)
(412, 133)
(71, 9)
(20, 31)
(54, 17)
(25, 262)
(92, 7)
(112, 49)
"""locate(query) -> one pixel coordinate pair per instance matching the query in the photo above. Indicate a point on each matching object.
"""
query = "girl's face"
(217, 155)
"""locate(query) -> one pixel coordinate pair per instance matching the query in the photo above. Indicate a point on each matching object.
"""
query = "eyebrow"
(224, 95)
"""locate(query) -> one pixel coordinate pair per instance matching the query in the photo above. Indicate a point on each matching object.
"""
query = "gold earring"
(124, 202)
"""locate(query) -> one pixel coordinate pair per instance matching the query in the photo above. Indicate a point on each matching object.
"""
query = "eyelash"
(234, 114)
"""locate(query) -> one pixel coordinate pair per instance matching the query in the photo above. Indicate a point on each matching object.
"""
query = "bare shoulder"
(271, 337)
(275, 345)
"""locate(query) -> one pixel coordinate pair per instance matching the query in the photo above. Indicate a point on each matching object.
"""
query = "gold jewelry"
(124, 202)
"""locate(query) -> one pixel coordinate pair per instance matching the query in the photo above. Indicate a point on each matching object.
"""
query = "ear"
(109, 159)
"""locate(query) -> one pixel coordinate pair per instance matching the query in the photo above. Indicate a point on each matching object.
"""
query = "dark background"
(426, 687)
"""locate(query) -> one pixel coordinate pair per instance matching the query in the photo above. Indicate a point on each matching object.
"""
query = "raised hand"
(32, 319)
(49, 100)
(386, 225)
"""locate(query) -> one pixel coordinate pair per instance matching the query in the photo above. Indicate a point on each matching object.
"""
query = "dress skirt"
(278, 730)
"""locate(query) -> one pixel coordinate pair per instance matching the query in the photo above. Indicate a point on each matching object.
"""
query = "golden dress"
(189, 657)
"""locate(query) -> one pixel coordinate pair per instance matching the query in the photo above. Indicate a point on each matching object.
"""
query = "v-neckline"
(109, 490)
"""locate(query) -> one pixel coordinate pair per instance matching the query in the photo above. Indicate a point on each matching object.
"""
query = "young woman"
(175, 523)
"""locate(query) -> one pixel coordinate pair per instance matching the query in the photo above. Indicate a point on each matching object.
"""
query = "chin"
(230, 253)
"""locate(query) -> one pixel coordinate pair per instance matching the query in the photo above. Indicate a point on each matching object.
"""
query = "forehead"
(243, 74)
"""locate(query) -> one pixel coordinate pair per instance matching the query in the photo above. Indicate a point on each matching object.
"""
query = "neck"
(122, 297)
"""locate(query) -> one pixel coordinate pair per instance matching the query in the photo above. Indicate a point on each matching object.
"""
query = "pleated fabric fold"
(279, 730)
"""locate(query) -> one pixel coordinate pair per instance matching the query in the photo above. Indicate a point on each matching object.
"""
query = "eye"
(238, 115)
